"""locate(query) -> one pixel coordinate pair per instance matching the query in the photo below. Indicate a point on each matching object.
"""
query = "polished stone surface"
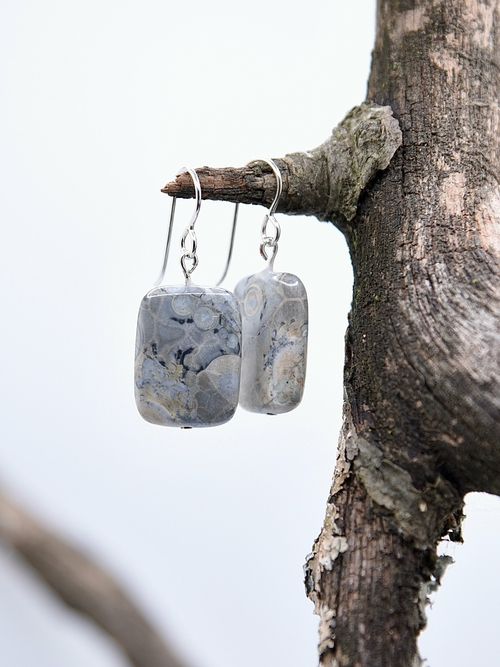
(188, 354)
(274, 321)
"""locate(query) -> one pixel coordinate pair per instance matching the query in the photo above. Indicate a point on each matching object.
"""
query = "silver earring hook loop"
(279, 183)
(189, 253)
(266, 240)
(270, 240)
(197, 193)
(186, 254)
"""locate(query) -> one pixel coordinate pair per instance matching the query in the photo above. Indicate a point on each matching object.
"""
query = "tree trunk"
(422, 368)
(422, 350)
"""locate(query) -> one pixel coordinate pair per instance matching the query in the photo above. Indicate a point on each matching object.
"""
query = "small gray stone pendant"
(274, 316)
(188, 355)
(188, 344)
(274, 323)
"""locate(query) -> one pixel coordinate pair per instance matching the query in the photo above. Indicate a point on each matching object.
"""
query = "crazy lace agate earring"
(188, 345)
(274, 314)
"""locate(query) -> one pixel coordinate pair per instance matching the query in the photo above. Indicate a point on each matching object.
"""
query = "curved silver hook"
(194, 217)
(197, 193)
(279, 182)
(266, 240)
(231, 245)
(269, 216)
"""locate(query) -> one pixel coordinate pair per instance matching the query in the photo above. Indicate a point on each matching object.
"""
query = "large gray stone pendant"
(188, 356)
(275, 320)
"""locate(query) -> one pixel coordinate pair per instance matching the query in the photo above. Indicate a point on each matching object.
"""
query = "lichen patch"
(331, 547)
(326, 627)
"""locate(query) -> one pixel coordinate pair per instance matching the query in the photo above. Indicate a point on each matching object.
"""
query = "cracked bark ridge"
(84, 586)
(325, 182)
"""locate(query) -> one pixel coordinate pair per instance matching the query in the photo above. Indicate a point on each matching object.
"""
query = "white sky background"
(102, 102)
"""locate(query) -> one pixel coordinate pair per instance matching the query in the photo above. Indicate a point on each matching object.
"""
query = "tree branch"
(325, 182)
(86, 587)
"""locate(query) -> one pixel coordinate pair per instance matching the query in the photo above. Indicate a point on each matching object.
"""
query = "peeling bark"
(422, 369)
(374, 561)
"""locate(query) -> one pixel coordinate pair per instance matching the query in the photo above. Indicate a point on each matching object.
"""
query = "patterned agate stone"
(274, 320)
(188, 354)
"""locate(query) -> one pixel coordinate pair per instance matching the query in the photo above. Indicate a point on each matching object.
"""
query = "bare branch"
(85, 586)
(325, 182)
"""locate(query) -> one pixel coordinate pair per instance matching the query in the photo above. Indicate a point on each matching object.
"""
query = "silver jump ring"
(263, 253)
(277, 229)
(188, 270)
(189, 233)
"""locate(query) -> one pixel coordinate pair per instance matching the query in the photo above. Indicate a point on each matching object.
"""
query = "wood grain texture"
(425, 247)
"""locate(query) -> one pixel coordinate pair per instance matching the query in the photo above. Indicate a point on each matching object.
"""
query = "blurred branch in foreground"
(85, 586)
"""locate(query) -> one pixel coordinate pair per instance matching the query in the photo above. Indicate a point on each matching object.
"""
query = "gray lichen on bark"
(418, 513)
(362, 144)
(325, 182)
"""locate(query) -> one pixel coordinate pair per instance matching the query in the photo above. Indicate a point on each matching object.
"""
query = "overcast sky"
(102, 103)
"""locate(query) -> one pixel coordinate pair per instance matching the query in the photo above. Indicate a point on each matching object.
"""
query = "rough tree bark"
(422, 367)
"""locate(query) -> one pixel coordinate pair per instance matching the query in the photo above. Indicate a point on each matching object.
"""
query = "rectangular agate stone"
(274, 321)
(188, 355)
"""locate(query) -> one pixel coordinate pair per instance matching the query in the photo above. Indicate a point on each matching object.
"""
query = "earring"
(274, 322)
(188, 346)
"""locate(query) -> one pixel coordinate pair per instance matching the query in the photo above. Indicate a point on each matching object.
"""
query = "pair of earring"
(200, 350)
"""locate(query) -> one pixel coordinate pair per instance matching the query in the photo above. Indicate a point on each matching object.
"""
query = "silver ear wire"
(159, 280)
(231, 245)
(189, 231)
(190, 254)
(279, 183)
(268, 241)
